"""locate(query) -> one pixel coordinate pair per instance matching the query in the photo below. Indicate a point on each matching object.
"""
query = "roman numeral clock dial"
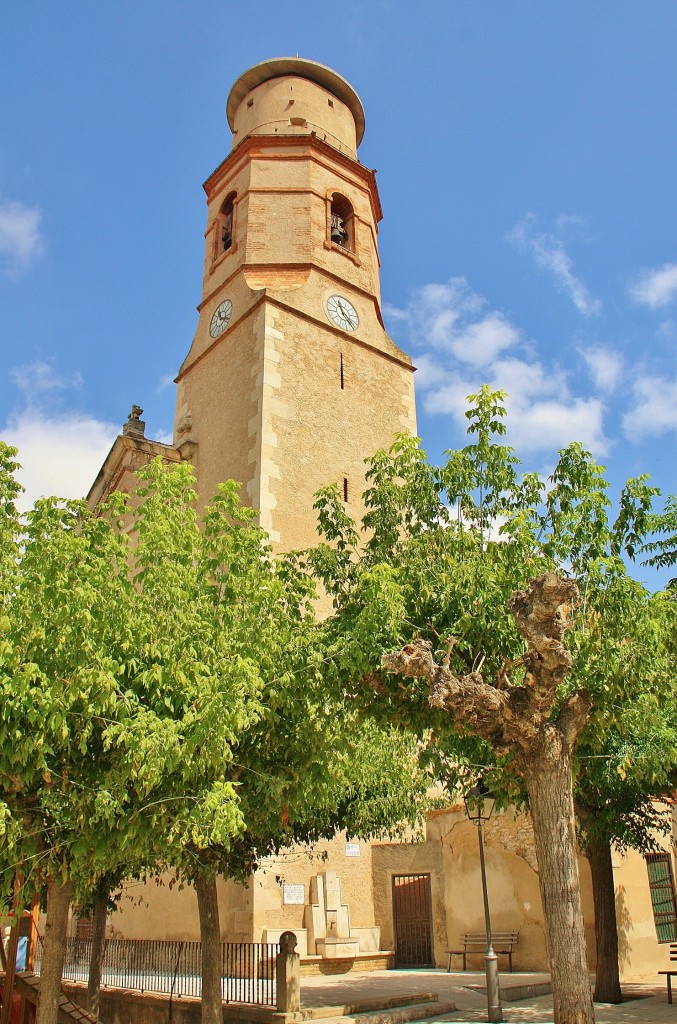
(343, 313)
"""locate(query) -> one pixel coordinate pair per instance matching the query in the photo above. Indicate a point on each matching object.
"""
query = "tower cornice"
(254, 144)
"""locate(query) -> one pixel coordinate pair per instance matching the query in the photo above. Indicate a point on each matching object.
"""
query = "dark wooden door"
(412, 914)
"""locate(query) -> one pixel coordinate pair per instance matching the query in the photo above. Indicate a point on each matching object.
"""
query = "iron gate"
(412, 914)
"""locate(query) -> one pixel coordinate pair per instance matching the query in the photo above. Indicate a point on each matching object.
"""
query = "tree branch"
(516, 714)
(573, 716)
(542, 616)
(472, 703)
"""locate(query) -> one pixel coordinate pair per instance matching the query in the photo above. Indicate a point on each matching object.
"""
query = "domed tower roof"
(299, 67)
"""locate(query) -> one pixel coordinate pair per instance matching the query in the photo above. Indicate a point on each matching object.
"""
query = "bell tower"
(291, 380)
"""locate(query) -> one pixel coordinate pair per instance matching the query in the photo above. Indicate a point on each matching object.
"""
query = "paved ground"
(645, 1003)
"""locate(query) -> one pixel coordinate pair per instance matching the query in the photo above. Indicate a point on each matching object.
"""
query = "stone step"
(515, 993)
(395, 1014)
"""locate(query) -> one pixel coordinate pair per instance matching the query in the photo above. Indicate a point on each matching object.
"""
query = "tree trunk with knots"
(607, 974)
(99, 915)
(519, 719)
(54, 950)
(210, 935)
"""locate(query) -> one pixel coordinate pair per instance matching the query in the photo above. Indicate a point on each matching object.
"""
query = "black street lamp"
(479, 806)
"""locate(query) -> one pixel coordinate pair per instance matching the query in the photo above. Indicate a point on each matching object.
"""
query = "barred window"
(662, 889)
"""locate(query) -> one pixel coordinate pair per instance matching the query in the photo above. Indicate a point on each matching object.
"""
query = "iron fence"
(156, 965)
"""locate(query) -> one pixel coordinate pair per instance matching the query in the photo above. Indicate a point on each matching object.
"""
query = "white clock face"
(221, 318)
(343, 313)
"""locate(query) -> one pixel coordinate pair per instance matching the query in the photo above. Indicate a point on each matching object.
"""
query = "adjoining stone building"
(291, 381)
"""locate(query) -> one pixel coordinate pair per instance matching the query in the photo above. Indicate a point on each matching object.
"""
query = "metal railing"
(156, 965)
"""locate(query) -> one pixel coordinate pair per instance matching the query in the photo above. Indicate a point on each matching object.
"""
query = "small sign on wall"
(295, 894)
(352, 849)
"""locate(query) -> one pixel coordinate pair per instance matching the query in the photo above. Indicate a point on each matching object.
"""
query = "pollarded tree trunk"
(521, 719)
(607, 974)
(98, 942)
(54, 951)
(210, 936)
(550, 787)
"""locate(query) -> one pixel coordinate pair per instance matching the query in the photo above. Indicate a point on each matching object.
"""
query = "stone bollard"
(288, 974)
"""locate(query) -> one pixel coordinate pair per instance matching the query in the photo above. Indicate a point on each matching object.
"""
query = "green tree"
(304, 763)
(162, 704)
(105, 723)
(627, 756)
(445, 552)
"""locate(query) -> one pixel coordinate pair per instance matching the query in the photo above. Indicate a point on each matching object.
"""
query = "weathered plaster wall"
(166, 911)
(450, 854)
(297, 866)
(640, 953)
(407, 858)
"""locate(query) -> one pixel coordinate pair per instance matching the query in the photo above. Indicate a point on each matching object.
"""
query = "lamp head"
(479, 803)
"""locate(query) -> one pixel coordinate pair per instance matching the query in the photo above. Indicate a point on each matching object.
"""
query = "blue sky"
(526, 157)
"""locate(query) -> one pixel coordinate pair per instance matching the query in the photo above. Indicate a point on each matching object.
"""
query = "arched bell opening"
(342, 222)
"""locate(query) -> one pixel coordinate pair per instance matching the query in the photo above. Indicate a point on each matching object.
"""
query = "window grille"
(662, 889)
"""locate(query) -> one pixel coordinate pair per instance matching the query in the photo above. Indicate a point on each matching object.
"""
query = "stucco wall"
(640, 954)
(297, 866)
(164, 910)
(450, 854)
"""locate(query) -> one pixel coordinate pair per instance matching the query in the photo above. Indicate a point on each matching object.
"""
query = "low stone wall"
(125, 1006)
(344, 965)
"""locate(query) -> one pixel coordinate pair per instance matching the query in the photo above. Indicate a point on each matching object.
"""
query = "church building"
(290, 382)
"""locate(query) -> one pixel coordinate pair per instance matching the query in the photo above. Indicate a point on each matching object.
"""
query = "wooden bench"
(476, 942)
(671, 974)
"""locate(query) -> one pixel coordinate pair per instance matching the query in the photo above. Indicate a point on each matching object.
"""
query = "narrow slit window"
(345, 489)
(662, 890)
(343, 383)
(224, 238)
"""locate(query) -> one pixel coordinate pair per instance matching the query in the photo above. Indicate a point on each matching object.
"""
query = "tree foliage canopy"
(441, 550)
(162, 699)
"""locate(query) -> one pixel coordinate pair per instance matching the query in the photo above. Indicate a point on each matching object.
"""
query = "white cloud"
(448, 318)
(667, 331)
(429, 371)
(38, 380)
(20, 236)
(606, 367)
(60, 451)
(450, 397)
(59, 454)
(542, 415)
(465, 344)
(553, 424)
(550, 253)
(657, 287)
(654, 410)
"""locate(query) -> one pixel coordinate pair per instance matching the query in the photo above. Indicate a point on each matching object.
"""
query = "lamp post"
(479, 806)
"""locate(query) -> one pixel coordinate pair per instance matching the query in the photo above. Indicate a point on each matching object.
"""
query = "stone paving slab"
(645, 1003)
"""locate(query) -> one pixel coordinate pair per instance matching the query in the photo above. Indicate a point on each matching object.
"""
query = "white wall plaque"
(294, 894)
(352, 849)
